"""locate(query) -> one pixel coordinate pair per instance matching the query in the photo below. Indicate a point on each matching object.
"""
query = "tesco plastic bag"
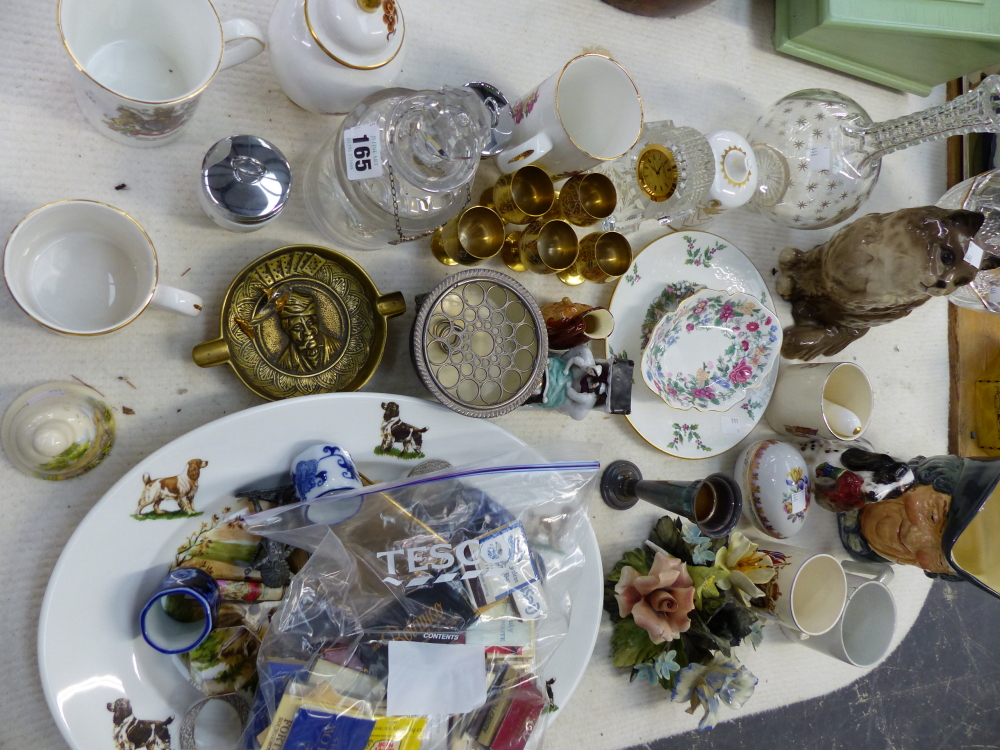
(428, 609)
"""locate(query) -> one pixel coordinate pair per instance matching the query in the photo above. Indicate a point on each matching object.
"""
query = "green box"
(911, 45)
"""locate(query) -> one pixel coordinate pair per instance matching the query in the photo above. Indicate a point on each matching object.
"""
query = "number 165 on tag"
(362, 153)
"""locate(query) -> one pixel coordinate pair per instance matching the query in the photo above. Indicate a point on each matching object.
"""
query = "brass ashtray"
(301, 320)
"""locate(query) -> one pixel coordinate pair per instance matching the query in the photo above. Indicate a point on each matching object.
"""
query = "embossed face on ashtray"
(712, 350)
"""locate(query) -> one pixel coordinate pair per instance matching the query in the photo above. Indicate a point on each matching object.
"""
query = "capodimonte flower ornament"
(692, 656)
(705, 685)
(660, 601)
(747, 568)
(711, 351)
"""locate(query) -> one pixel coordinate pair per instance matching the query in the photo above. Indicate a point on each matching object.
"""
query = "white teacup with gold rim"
(141, 65)
(587, 113)
(85, 268)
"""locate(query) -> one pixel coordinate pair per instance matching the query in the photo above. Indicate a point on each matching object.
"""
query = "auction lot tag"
(362, 152)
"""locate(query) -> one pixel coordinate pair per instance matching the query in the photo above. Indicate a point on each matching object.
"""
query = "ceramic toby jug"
(328, 55)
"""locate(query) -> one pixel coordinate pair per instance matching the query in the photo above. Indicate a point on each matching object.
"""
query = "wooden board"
(973, 339)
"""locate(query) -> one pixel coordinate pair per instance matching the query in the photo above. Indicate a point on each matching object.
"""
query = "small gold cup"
(522, 196)
(469, 238)
(587, 199)
(603, 256)
(544, 248)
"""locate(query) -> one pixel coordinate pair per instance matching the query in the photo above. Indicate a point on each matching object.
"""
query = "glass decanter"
(819, 152)
(665, 176)
(430, 144)
(980, 193)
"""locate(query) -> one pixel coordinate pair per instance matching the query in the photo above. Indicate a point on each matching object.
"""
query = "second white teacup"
(831, 400)
(587, 113)
(808, 590)
(864, 632)
(85, 268)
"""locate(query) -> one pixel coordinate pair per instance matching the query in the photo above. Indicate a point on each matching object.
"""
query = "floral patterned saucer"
(664, 274)
(711, 351)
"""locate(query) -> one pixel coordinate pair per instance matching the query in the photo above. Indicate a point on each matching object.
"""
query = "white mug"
(831, 400)
(864, 632)
(808, 590)
(141, 65)
(85, 268)
(587, 113)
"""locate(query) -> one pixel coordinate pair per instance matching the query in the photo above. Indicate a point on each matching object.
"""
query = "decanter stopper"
(435, 138)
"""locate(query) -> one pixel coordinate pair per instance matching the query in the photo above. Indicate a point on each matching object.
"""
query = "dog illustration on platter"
(131, 733)
(395, 430)
(180, 489)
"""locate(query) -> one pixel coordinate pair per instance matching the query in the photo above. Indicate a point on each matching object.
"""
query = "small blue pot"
(181, 612)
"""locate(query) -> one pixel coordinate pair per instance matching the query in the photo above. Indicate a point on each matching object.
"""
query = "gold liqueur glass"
(603, 256)
(586, 199)
(522, 196)
(541, 247)
(473, 236)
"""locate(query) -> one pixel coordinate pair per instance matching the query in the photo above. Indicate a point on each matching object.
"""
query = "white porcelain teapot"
(328, 55)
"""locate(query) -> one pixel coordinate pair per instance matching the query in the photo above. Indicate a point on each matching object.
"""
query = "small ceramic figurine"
(947, 522)
(575, 383)
(871, 272)
(573, 323)
(848, 475)
(58, 431)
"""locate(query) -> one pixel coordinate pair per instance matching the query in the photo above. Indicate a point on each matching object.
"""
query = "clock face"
(656, 171)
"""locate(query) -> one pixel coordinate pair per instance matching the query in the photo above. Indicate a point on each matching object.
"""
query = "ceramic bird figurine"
(873, 271)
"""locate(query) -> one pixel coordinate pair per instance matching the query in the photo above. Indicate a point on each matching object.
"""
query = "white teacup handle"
(234, 30)
(176, 300)
(879, 572)
(515, 157)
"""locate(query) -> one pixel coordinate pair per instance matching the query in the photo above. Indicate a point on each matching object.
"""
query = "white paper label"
(731, 425)
(974, 255)
(798, 502)
(361, 151)
(427, 679)
(819, 158)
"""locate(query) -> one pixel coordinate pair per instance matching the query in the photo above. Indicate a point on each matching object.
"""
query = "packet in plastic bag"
(480, 561)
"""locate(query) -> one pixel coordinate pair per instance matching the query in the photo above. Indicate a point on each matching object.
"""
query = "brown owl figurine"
(873, 271)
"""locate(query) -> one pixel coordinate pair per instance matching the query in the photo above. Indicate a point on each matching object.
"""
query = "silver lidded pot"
(245, 182)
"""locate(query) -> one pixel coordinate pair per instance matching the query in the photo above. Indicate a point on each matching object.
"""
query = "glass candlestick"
(819, 152)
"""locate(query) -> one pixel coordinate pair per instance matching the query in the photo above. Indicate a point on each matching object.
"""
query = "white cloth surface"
(715, 68)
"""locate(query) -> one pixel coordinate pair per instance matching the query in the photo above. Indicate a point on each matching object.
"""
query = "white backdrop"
(713, 69)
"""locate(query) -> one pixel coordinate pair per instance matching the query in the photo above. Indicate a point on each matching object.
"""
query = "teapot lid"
(361, 34)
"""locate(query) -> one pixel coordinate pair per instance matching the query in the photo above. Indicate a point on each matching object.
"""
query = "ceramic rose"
(659, 602)
(712, 350)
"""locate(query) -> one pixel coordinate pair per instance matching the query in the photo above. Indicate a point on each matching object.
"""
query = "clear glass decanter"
(980, 193)
(819, 152)
(430, 144)
(665, 176)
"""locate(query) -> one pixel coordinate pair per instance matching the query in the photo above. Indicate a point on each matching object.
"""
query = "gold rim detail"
(79, 66)
(642, 117)
(328, 53)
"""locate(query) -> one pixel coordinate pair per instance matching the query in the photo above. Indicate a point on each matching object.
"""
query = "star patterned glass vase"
(819, 153)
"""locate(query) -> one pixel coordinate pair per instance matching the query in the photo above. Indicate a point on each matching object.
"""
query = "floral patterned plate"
(712, 350)
(664, 274)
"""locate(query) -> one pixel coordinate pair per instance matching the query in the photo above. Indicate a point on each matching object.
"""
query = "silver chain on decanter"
(395, 210)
